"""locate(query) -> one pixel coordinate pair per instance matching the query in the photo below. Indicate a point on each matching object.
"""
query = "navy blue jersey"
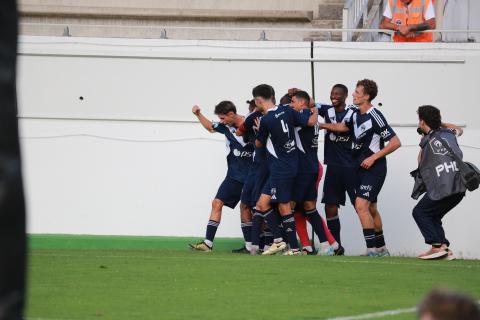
(239, 153)
(250, 128)
(339, 146)
(277, 133)
(307, 143)
(251, 132)
(370, 131)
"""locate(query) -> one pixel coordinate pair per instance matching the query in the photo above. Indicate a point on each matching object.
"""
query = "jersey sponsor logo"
(446, 167)
(289, 146)
(357, 146)
(385, 133)
(238, 153)
(364, 187)
(277, 115)
(437, 147)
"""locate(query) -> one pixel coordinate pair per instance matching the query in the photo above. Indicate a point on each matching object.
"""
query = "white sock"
(248, 245)
(266, 247)
(382, 249)
(208, 243)
(335, 245)
(324, 246)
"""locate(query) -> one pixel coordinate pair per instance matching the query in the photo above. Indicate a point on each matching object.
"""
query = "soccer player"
(305, 188)
(341, 172)
(248, 198)
(277, 134)
(239, 160)
(370, 130)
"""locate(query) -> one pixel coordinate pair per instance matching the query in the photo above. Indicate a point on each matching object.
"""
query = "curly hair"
(431, 115)
(369, 87)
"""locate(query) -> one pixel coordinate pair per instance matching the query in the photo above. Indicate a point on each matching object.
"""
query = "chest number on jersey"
(284, 126)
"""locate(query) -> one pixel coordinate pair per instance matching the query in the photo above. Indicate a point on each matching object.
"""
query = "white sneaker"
(274, 248)
(450, 256)
(328, 252)
(293, 253)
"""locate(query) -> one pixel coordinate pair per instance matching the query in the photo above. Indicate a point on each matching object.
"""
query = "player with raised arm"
(239, 159)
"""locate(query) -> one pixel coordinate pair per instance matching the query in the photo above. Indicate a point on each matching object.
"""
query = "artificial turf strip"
(88, 277)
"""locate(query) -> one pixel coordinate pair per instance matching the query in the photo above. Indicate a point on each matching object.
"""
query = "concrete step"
(82, 12)
(326, 24)
(330, 11)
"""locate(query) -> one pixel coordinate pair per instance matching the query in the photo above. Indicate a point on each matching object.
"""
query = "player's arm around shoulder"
(313, 119)
(207, 124)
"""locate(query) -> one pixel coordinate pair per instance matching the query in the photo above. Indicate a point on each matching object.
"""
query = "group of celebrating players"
(274, 171)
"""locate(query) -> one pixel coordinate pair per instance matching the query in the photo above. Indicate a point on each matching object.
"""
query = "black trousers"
(428, 215)
(12, 208)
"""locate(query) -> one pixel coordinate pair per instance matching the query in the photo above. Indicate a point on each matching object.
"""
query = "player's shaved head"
(341, 87)
(302, 95)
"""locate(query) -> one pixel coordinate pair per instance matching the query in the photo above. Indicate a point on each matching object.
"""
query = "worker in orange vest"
(408, 18)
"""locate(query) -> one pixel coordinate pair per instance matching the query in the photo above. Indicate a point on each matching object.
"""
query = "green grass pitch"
(96, 277)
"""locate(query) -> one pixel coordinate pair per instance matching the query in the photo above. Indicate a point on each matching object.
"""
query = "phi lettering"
(447, 167)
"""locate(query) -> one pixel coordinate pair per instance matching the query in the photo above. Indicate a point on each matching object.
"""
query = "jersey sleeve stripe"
(377, 118)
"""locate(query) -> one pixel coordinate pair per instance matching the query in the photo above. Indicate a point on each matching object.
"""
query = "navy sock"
(272, 222)
(247, 231)
(268, 237)
(257, 222)
(369, 235)
(379, 239)
(288, 222)
(333, 224)
(211, 230)
(317, 224)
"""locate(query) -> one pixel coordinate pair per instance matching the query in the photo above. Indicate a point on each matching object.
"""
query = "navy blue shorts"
(370, 182)
(229, 192)
(261, 177)
(305, 187)
(280, 189)
(339, 180)
(248, 190)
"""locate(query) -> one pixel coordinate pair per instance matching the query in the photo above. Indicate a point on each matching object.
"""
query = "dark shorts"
(339, 180)
(229, 192)
(248, 190)
(280, 189)
(370, 182)
(305, 187)
(261, 177)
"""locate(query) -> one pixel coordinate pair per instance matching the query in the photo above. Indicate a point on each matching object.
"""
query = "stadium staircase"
(215, 18)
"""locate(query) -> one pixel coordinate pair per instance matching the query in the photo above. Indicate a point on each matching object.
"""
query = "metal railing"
(163, 31)
(354, 12)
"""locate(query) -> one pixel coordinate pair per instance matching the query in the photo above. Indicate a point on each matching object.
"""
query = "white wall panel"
(158, 178)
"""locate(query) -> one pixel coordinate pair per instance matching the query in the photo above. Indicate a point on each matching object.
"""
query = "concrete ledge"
(162, 14)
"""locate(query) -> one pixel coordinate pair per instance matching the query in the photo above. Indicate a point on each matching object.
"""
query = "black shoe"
(241, 250)
(340, 251)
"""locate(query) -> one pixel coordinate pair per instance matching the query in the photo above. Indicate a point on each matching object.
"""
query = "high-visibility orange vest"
(410, 15)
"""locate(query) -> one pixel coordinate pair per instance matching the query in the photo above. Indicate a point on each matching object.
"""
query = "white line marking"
(376, 314)
(195, 255)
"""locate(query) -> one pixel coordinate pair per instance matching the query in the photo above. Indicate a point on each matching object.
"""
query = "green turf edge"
(100, 242)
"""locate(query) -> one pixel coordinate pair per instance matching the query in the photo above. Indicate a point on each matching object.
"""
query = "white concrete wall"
(157, 177)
